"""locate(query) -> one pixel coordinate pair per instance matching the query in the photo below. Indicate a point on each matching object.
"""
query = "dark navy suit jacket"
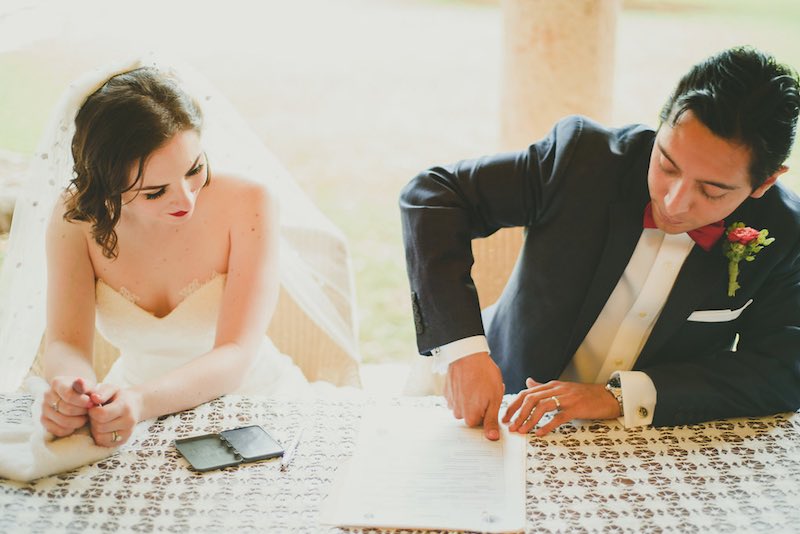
(580, 193)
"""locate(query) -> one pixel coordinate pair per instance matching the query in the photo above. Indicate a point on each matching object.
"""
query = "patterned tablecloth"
(738, 475)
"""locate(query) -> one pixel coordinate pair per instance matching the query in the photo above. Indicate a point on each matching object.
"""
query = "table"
(726, 476)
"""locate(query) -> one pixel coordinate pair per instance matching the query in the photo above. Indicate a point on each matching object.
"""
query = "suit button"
(643, 413)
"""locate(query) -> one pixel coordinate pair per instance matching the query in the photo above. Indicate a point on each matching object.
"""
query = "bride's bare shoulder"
(65, 220)
(239, 194)
(67, 238)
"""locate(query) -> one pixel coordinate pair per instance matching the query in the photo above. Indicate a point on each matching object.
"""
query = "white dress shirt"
(620, 331)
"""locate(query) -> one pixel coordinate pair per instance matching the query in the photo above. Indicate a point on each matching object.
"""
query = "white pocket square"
(718, 316)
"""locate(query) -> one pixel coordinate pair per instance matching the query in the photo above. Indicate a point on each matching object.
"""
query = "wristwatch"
(614, 386)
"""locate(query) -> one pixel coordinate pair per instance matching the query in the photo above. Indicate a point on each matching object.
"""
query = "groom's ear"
(759, 191)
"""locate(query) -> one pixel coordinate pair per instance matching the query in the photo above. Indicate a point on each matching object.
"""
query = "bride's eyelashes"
(196, 170)
(153, 196)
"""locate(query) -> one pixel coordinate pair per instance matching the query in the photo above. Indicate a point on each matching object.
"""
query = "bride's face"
(172, 178)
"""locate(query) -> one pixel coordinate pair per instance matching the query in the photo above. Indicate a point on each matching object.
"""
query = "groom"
(624, 301)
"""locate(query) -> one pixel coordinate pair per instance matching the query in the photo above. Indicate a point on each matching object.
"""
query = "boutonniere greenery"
(742, 243)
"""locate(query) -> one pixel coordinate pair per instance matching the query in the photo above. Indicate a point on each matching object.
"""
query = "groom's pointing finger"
(491, 428)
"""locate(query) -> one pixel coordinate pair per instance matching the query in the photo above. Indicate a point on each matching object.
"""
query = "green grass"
(780, 11)
(28, 91)
(386, 328)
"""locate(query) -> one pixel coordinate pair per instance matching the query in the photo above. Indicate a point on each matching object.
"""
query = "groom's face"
(697, 178)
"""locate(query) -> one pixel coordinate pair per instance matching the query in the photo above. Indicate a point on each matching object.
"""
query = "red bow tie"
(706, 236)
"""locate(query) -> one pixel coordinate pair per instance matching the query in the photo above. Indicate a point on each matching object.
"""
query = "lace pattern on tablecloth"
(738, 475)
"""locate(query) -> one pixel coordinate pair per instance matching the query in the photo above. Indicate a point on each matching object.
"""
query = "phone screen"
(252, 443)
(206, 452)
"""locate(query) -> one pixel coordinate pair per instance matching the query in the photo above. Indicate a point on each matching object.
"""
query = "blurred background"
(357, 96)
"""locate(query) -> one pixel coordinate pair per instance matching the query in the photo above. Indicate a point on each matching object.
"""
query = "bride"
(174, 261)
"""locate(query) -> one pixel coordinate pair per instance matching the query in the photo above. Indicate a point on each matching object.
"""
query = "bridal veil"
(315, 320)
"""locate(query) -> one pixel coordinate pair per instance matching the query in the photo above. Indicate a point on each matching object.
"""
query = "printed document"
(422, 468)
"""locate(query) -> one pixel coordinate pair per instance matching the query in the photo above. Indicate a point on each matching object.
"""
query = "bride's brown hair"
(116, 130)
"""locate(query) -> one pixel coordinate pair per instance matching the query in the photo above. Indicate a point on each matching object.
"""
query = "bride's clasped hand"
(109, 412)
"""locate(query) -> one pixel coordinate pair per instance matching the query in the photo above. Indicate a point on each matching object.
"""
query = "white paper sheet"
(421, 468)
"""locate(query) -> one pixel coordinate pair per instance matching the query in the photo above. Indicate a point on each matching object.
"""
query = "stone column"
(558, 59)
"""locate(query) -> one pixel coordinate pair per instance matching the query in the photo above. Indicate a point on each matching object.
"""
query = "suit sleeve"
(759, 376)
(444, 208)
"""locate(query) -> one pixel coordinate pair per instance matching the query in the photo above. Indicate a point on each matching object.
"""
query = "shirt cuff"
(446, 354)
(638, 398)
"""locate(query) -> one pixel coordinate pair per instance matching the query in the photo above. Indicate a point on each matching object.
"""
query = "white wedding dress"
(151, 346)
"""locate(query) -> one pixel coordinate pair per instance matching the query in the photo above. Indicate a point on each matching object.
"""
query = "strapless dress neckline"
(193, 288)
(152, 346)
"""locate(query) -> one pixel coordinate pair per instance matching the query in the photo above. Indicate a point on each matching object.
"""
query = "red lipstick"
(179, 213)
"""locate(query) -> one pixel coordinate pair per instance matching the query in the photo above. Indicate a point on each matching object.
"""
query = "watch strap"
(614, 386)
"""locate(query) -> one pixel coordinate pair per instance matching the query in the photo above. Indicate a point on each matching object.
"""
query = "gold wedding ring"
(114, 436)
(54, 405)
(558, 404)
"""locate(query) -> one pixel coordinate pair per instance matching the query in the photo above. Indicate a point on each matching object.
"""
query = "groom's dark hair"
(116, 130)
(745, 96)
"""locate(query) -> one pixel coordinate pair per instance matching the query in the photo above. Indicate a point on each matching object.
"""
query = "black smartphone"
(230, 447)
(253, 443)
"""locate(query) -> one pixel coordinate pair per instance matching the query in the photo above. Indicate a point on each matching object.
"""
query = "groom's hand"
(474, 390)
(569, 400)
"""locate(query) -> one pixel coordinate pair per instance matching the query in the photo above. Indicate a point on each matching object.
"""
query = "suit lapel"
(624, 229)
(699, 274)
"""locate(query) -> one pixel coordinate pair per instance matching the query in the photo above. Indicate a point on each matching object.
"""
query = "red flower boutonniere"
(742, 243)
